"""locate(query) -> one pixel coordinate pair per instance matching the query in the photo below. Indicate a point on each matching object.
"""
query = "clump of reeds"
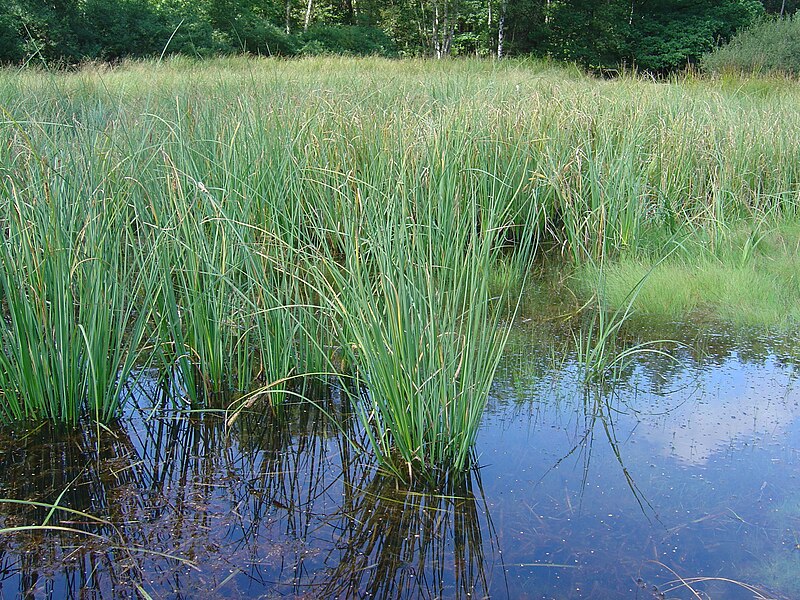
(75, 289)
(408, 282)
(230, 309)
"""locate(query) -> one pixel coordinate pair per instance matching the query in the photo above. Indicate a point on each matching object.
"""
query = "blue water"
(679, 480)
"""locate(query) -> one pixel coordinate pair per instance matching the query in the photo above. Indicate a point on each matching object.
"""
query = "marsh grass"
(409, 289)
(746, 276)
(232, 313)
(223, 309)
(75, 293)
(597, 349)
(240, 223)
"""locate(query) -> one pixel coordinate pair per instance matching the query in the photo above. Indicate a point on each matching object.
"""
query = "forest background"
(653, 35)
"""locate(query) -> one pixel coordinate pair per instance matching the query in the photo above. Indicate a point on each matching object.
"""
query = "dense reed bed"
(242, 225)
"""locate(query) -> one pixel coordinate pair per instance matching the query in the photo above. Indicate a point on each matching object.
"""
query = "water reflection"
(580, 493)
(703, 451)
(400, 542)
(90, 547)
(279, 503)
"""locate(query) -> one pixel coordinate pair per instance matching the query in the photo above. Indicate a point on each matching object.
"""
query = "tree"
(10, 38)
(48, 28)
(526, 28)
(590, 32)
(666, 34)
(656, 35)
(114, 29)
(783, 8)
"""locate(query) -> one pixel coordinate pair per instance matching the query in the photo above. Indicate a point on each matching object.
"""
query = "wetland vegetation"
(198, 254)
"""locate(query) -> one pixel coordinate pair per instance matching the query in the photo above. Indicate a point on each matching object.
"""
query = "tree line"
(656, 35)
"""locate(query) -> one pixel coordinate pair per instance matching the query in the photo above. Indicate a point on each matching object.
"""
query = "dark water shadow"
(84, 487)
(399, 541)
(176, 504)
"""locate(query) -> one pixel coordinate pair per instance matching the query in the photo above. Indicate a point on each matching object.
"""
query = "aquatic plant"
(408, 284)
(231, 312)
(695, 585)
(596, 346)
(75, 290)
(223, 307)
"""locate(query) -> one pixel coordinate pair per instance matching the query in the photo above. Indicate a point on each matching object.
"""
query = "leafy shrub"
(668, 35)
(254, 34)
(769, 46)
(113, 29)
(10, 41)
(468, 44)
(356, 40)
(314, 48)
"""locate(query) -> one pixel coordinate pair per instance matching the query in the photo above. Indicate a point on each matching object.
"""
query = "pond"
(678, 480)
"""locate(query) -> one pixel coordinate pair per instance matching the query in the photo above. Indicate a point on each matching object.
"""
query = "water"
(683, 470)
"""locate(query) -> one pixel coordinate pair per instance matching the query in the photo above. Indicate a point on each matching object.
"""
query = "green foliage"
(346, 39)
(187, 32)
(252, 34)
(770, 46)
(68, 32)
(671, 34)
(10, 40)
(75, 294)
(114, 29)
(776, 7)
(589, 32)
(47, 30)
(528, 32)
(412, 304)
(652, 35)
(399, 19)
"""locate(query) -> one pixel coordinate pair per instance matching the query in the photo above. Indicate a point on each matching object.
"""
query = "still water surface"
(683, 474)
